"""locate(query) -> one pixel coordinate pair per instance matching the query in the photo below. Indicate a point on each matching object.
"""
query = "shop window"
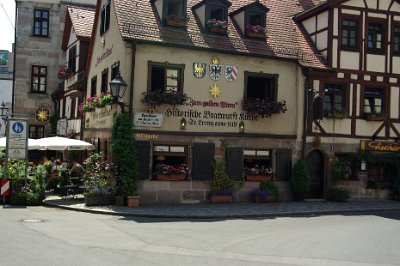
(36, 132)
(39, 79)
(72, 59)
(104, 81)
(373, 101)
(93, 86)
(170, 160)
(379, 177)
(255, 160)
(105, 18)
(165, 77)
(396, 39)
(349, 33)
(261, 86)
(375, 37)
(41, 23)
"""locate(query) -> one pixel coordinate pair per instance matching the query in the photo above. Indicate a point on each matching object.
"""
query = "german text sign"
(17, 140)
(382, 146)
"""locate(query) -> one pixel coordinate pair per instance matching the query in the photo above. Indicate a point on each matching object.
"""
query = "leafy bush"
(33, 198)
(340, 169)
(269, 185)
(301, 181)
(338, 194)
(221, 180)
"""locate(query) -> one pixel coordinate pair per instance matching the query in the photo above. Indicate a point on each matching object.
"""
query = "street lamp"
(4, 111)
(118, 88)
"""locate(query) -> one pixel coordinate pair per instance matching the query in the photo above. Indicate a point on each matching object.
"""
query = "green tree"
(124, 155)
(300, 182)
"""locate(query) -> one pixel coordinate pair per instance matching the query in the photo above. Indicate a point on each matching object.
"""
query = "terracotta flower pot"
(133, 201)
(221, 198)
(258, 177)
(163, 177)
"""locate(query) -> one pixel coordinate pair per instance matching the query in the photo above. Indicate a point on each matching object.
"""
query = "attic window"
(175, 13)
(105, 18)
(255, 24)
(216, 15)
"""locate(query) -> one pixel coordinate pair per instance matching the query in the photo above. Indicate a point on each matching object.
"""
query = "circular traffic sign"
(18, 127)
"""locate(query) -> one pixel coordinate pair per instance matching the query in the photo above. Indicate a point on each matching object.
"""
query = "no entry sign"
(5, 187)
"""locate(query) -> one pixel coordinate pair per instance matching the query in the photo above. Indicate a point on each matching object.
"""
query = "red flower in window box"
(264, 107)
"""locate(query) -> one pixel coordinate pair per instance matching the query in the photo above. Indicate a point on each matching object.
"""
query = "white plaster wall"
(358, 88)
(159, 6)
(357, 3)
(397, 126)
(375, 63)
(335, 22)
(322, 40)
(351, 89)
(396, 18)
(384, 4)
(351, 11)
(337, 126)
(395, 7)
(72, 37)
(373, 4)
(394, 102)
(201, 13)
(240, 20)
(334, 53)
(396, 64)
(376, 15)
(322, 20)
(349, 60)
(367, 128)
(309, 24)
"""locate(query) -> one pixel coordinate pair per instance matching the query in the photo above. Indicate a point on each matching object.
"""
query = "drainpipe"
(305, 114)
(133, 63)
(14, 48)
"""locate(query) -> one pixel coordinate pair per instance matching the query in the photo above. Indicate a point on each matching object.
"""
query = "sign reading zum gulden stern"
(382, 146)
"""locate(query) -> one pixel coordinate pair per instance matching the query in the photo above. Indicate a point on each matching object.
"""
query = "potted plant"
(218, 26)
(255, 31)
(181, 22)
(221, 185)
(125, 156)
(263, 107)
(65, 73)
(300, 182)
(168, 172)
(258, 173)
(97, 180)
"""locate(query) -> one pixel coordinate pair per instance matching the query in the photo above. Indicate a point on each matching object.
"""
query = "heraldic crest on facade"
(199, 70)
(231, 73)
(215, 69)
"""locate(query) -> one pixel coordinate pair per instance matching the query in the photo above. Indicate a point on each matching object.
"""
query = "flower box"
(263, 107)
(376, 117)
(221, 198)
(133, 201)
(218, 30)
(258, 177)
(181, 23)
(336, 114)
(254, 34)
(99, 200)
(164, 177)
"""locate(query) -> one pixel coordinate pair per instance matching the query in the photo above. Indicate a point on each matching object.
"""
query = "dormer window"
(255, 24)
(216, 17)
(175, 13)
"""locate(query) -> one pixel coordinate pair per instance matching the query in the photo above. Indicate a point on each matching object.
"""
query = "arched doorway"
(316, 166)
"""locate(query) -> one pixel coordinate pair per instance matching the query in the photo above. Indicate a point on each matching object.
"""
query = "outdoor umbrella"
(32, 143)
(61, 144)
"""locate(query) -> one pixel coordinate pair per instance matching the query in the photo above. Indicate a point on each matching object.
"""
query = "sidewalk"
(232, 210)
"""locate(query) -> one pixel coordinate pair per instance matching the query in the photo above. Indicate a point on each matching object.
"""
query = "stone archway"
(316, 166)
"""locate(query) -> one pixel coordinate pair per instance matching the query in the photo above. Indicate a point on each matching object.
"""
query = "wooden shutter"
(203, 158)
(143, 156)
(283, 164)
(234, 162)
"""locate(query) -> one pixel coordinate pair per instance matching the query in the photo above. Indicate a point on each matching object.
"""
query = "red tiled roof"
(139, 20)
(82, 19)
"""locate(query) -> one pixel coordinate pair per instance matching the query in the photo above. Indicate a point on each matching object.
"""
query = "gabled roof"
(284, 38)
(227, 3)
(81, 19)
(240, 6)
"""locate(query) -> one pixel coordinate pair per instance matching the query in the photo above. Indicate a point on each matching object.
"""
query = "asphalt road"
(47, 236)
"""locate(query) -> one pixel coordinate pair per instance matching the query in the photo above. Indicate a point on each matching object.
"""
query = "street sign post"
(17, 139)
(4, 190)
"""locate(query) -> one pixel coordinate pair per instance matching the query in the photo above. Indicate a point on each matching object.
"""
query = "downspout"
(305, 114)
(133, 64)
(15, 57)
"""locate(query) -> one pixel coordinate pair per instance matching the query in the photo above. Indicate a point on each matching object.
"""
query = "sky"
(7, 7)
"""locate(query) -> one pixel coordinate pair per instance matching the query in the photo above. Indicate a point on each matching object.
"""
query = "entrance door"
(316, 166)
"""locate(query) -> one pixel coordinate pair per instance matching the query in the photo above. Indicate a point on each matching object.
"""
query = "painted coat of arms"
(231, 73)
(199, 70)
(215, 72)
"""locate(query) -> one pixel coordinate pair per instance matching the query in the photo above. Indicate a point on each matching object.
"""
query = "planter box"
(163, 177)
(376, 117)
(99, 200)
(176, 23)
(133, 201)
(259, 199)
(258, 35)
(221, 198)
(256, 178)
(217, 30)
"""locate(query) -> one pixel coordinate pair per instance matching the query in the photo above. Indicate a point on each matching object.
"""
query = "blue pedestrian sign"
(17, 138)
(18, 127)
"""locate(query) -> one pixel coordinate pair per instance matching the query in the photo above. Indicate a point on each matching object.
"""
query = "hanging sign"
(199, 70)
(231, 73)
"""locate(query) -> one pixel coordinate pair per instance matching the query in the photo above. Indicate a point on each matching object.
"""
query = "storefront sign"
(142, 119)
(100, 117)
(106, 54)
(146, 136)
(383, 146)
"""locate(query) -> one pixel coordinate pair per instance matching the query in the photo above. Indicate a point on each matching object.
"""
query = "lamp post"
(118, 88)
(4, 111)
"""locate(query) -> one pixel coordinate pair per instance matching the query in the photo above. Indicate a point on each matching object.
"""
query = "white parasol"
(61, 143)
(32, 143)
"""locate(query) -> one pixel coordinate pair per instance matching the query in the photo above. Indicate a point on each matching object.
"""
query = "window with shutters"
(203, 158)
(170, 160)
(283, 170)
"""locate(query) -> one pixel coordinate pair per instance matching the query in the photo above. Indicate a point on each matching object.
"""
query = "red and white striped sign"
(5, 187)
(231, 73)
